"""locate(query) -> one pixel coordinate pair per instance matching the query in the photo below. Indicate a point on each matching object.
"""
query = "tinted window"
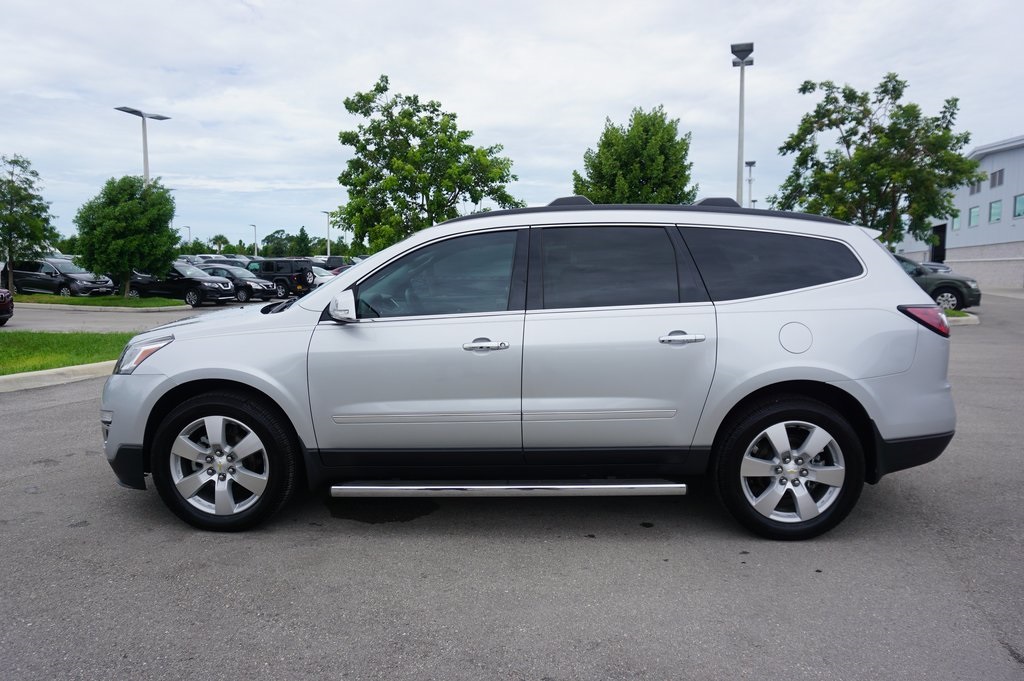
(604, 266)
(461, 275)
(743, 264)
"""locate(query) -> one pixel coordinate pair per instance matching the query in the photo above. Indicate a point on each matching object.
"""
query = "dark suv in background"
(57, 275)
(189, 283)
(950, 290)
(290, 275)
(247, 285)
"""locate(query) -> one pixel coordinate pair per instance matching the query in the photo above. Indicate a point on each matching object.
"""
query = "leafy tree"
(127, 226)
(892, 168)
(194, 247)
(25, 228)
(275, 244)
(646, 162)
(68, 244)
(413, 167)
(301, 244)
(218, 242)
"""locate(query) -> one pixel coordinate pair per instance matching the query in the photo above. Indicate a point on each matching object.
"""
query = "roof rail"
(719, 201)
(572, 201)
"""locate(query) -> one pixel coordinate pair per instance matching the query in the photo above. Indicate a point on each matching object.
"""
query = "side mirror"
(343, 307)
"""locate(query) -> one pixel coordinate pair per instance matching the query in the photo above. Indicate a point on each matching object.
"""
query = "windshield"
(321, 272)
(240, 272)
(68, 267)
(189, 271)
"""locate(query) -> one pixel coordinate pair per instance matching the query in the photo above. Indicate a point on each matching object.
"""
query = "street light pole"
(328, 214)
(189, 232)
(750, 182)
(145, 144)
(255, 244)
(741, 52)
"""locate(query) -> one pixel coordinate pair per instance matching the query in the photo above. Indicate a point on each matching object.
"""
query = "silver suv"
(569, 349)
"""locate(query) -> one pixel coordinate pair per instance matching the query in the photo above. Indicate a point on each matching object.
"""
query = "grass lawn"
(94, 301)
(956, 313)
(35, 350)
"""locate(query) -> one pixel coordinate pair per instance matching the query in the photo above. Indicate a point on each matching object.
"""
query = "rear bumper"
(897, 455)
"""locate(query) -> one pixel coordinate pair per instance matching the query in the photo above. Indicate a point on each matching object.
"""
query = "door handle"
(485, 344)
(682, 338)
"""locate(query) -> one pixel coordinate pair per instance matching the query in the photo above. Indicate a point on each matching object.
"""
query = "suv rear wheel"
(224, 461)
(949, 299)
(282, 289)
(792, 468)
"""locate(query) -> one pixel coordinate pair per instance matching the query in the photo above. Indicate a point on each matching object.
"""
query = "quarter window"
(608, 266)
(744, 263)
(458, 276)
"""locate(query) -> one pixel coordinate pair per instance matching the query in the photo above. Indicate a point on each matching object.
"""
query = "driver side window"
(457, 276)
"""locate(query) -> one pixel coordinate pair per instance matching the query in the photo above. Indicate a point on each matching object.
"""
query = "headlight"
(210, 284)
(135, 354)
(972, 284)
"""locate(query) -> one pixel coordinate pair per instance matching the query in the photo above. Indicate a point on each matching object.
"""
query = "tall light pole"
(750, 181)
(189, 232)
(255, 243)
(741, 52)
(328, 214)
(145, 145)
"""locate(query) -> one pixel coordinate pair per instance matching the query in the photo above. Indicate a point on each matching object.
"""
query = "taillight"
(930, 316)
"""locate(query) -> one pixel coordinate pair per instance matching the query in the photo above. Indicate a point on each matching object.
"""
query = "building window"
(995, 211)
(955, 222)
(996, 179)
(1018, 206)
(973, 216)
(975, 188)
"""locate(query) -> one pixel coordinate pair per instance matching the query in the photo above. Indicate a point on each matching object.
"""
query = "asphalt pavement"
(923, 581)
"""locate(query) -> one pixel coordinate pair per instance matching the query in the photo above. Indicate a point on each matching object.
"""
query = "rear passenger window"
(743, 263)
(605, 266)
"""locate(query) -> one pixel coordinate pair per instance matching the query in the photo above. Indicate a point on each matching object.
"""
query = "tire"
(193, 297)
(246, 476)
(767, 482)
(282, 289)
(3, 321)
(64, 291)
(242, 295)
(134, 293)
(949, 298)
(310, 277)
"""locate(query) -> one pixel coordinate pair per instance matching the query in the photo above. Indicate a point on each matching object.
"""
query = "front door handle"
(485, 344)
(681, 338)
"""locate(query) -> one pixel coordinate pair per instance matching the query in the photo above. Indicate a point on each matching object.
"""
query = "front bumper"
(129, 466)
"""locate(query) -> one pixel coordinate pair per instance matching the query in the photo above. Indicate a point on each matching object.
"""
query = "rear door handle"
(681, 338)
(485, 344)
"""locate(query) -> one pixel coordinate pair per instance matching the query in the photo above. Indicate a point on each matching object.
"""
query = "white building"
(986, 240)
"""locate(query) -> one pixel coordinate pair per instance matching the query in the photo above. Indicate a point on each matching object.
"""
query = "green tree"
(127, 226)
(413, 167)
(25, 228)
(301, 244)
(275, 244)
(218, 242)
(194, 247)
(891, 168)
(68, 245)
(644, 162)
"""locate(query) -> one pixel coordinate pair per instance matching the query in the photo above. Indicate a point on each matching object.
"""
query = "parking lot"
(923, 581)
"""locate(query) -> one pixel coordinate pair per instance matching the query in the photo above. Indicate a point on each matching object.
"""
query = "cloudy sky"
(255, 88)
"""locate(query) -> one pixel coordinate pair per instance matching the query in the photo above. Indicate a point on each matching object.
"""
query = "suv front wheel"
(224, 461)
(792, 468)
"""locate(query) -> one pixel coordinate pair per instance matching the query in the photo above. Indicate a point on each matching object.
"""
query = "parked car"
(234, 262)
(6, 306)
(247, 285)
(321, 276)
(575, 349)
(937, 266)
(950, 290)
(186, 282)
(332, 262)
(57, 275)
(290, 275)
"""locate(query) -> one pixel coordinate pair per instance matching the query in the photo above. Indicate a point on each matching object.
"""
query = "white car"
(570, 349)
(321, 275)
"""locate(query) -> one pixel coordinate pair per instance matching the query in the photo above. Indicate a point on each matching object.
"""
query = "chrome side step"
(509, 488)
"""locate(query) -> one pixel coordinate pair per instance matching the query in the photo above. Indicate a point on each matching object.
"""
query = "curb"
(969, 320)
(100, 308)
(48, 377)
